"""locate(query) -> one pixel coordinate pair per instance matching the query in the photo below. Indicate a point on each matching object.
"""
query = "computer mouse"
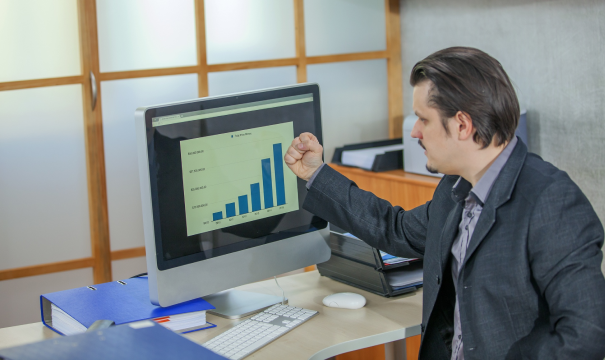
(345, 300)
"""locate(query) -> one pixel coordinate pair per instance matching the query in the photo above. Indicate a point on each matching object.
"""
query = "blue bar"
(255, 191)
(243, 204)
(230, 209)
(278, 161)
(217, 216)
(267, 185)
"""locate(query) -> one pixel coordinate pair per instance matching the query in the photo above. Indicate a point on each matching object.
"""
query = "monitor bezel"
(218, 102)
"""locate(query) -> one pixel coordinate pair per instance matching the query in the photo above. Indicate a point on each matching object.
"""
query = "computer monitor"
(220, 206)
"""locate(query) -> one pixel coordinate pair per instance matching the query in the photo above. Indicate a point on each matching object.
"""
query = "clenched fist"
(304, 156)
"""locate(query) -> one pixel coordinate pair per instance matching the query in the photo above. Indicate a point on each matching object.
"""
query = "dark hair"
(469, 80)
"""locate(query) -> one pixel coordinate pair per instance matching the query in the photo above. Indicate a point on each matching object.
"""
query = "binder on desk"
(142, 340)
(389, 160)
(122, 301)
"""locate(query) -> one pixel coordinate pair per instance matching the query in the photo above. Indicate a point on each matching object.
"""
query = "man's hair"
(469, 80)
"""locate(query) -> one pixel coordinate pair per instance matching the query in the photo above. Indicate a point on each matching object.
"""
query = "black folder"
(390, 160)
(356, 263)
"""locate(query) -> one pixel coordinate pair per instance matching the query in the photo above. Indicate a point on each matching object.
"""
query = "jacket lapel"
(499, 195)
(449, 233)
(450, 229)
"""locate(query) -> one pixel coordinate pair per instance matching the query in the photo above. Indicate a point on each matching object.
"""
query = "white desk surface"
(332, 332)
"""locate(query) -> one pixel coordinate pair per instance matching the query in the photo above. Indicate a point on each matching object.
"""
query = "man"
(511, 246)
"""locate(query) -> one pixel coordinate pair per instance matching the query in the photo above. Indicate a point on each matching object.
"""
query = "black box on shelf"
(356, 263)
(390, 160)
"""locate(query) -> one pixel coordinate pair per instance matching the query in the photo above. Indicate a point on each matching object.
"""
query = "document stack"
(403, 278)
(389, 259)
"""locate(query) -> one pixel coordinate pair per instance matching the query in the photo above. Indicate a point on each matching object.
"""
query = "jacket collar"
(507, 179)
(462, 187)
(500, 193)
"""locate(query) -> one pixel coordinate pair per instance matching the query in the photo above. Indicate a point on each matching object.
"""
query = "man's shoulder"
(537, 175)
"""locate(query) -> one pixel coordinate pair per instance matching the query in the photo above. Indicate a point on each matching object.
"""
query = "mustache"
(421, 145)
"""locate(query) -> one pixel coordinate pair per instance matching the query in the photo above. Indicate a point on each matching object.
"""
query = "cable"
(136, 276)
(283, 294)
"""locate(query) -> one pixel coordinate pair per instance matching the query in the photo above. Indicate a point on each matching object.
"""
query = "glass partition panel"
(146, 34)
(354, 102)
(43, 186)
(126, 268)
(20, 298)
(248, 30)
(31, 31)
(227, 82)
(120, 100)
(344, 26)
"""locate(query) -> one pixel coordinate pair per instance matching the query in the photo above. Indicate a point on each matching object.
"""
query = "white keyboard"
(256, 332)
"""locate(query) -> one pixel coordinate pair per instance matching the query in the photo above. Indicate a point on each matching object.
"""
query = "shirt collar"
(461, 189)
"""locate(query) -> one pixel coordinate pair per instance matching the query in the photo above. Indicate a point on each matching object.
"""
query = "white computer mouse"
(345, 300)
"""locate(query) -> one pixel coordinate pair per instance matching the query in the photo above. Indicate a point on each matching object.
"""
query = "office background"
(553, 51)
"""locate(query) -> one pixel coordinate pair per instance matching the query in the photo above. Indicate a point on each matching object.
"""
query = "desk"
(331, 332)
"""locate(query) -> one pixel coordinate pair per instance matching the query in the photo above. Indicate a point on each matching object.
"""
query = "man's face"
(439, 147)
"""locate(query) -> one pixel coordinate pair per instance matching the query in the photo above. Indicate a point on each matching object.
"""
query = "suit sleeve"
(338, 200)
(565, 240)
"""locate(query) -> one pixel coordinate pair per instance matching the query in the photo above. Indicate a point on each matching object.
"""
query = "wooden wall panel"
(394, 68)
(202, 61)
(301, 52)
(397, 187)
(95, 153)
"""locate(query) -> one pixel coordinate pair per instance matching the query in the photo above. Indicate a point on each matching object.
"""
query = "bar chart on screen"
(236, 177)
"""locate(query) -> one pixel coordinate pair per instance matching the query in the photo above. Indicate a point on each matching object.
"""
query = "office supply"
(346, 300)
(404, 277)
(365, 158)
(348, 246)
(258, 331)
(355, 263)
(388, 259)
(220, 207)
(72, 311)
(141, 340)
(384, 320)
(375, 160)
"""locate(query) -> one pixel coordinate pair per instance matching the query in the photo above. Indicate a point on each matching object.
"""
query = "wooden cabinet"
(399, 188)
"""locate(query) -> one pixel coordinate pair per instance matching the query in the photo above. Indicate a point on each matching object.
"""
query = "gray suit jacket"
(531, 286)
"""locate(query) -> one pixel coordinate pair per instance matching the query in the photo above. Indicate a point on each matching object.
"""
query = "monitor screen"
(217, 177)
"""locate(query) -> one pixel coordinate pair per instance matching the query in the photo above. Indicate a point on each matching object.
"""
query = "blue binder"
(122, 301)
(146, 340)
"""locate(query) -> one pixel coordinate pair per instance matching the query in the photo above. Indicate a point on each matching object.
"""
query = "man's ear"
(464, 128)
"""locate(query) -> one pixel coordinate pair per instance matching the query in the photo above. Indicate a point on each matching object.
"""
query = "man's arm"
(336, 199)
(565, 240)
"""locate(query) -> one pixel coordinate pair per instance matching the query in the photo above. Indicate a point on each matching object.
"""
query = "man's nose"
(416, 134)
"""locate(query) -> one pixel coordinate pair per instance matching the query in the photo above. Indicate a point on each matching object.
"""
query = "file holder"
(390, 160)
(356, 263)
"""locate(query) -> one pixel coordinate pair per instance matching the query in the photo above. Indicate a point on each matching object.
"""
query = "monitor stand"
(236, 304)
